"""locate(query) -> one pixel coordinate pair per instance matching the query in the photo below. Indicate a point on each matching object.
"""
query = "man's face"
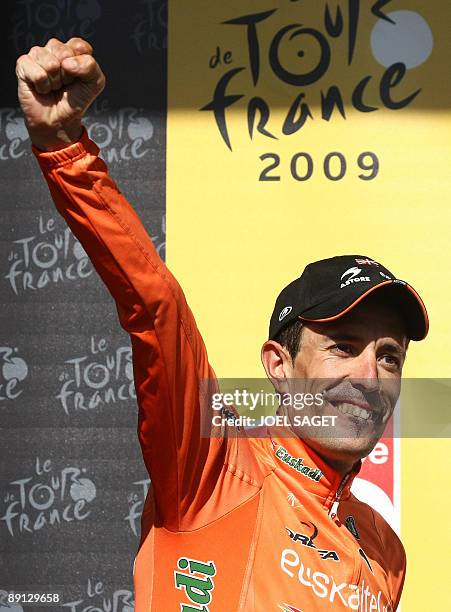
(356, 363)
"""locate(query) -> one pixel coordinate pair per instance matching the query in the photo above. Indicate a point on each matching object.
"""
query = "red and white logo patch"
(366, 261)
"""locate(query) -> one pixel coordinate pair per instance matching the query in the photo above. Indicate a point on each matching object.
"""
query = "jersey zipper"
(333, 511)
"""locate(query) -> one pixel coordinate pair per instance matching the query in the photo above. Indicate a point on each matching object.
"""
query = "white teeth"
(353, 410)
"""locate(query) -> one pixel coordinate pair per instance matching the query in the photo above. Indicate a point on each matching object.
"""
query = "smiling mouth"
(353, 410)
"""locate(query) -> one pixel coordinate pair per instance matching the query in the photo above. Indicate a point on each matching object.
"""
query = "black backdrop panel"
(72, 479)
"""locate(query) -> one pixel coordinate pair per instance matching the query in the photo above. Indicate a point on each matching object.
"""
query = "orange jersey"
(230, 523)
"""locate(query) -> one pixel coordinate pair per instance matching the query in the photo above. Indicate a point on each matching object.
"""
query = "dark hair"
(290, 337)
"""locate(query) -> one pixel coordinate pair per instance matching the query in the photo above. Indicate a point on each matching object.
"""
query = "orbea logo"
(47, 257)
(49, 496)
(196, 580)
(13, 371)
(308, 541)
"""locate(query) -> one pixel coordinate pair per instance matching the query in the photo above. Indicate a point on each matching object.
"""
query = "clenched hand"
(56, 85)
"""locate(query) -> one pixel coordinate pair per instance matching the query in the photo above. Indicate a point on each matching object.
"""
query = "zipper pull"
(333, 512)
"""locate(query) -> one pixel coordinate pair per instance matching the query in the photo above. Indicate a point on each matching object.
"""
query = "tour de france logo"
(289, 72)
(47, 496)
(399, 41)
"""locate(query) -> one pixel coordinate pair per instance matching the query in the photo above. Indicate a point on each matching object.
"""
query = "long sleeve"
(169, 357)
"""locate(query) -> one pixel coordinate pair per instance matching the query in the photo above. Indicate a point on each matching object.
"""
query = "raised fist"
(56, 85)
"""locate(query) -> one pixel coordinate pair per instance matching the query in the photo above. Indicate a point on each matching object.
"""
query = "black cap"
(329, 288)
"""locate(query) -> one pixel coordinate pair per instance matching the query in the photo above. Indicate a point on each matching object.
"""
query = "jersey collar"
(301, 468)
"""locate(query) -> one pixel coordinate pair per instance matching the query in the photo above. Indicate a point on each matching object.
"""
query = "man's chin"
(349, 449)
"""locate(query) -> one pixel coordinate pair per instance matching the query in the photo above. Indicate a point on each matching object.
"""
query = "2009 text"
(334, 166)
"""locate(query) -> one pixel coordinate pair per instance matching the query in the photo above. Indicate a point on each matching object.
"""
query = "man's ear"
(278, 365)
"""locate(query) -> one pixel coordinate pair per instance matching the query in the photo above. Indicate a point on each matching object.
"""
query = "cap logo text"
(353, 273)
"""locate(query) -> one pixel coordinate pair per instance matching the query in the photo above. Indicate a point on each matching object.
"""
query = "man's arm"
(169, 356)
(395, 557)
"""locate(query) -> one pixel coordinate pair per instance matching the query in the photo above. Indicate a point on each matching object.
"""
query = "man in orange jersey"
(236, 522)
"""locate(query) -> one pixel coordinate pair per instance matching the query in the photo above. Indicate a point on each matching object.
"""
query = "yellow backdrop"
(234, 241)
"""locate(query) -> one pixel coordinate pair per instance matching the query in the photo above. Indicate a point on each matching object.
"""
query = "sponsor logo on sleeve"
(196, 579)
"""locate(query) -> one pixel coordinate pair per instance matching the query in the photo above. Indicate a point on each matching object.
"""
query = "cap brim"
(403, 297)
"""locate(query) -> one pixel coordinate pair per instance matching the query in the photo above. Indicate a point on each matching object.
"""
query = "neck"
(341, 464)
(340, 461)
(302, 468)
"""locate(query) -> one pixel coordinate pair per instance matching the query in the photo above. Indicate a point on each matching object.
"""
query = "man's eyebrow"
(394, 347)
(335, 334)
(346, 336)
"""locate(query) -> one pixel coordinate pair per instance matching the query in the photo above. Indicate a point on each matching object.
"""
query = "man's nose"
(364, 371)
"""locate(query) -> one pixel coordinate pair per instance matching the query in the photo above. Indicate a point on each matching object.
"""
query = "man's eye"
(391, 360)
(342, 348)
